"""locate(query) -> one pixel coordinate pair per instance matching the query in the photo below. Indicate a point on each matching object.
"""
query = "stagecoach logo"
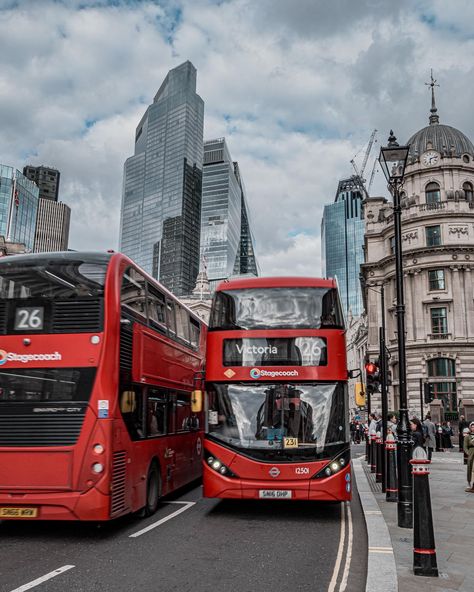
(25, 358)
(229, 373)
(256, 373)
(274, 472)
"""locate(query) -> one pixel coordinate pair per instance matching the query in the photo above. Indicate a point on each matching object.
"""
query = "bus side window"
(182, 323)
(156, 309)
(170, 318)
(156, 413)
(171, 413)
(183, 412)
(133, 292)
(195, 331)
(131, 407)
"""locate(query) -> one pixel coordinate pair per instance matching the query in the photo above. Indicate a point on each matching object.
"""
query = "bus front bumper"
(338, 487)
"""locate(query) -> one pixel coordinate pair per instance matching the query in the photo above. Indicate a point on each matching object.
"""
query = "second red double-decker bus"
(98, 363)
(276, 392)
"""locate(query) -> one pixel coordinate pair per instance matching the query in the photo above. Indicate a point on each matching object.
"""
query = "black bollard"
(378, 462)
(391, 491)
(372, 453)
(424, 551)
(367, 446)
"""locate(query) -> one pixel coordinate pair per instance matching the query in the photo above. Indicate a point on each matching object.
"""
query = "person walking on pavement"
(372, 425)
(416, 432)
(430, 435)
(469, 449)
(447, 432)
(461, 427)
(392, 425)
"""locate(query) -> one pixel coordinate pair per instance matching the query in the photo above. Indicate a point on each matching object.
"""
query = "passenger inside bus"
(285, 414)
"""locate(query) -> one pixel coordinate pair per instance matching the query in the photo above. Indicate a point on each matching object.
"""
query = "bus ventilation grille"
(119, 471)
(3, 318)
(82, 316)
(126, 348)
(36, 429)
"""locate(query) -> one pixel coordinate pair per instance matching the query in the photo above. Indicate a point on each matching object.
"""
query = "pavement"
(453, 520)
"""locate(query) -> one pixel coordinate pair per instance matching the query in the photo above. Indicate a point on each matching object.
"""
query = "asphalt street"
(193, 544)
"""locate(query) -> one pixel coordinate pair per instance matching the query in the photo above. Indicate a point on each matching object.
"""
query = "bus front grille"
(81, 316)
(50, 428)
(119, 472)
(3, 317)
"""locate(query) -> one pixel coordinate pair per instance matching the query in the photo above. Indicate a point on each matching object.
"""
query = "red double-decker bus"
(98, 363)
(276, 391)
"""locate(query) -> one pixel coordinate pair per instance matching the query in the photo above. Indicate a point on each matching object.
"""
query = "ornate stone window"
(436, 279)
(443, 390)
(441, 367)
(433, 236)
(432, 193)
(439, 321)
(468, 191)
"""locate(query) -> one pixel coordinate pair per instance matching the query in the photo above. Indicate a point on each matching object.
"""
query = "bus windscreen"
(276, 308)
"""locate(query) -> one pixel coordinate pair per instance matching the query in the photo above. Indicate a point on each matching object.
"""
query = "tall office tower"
(52, 226)
(162, 185)
(342, 241)
(46, 178)
(18, 207)
(226, 240)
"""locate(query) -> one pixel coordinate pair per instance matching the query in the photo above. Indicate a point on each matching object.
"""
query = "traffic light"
(428, 392)
(372, 376)
(359, 394)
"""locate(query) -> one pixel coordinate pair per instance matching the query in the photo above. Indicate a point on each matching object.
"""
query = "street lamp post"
(393, 160)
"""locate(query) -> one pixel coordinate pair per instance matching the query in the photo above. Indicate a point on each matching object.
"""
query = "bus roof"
(275, 282)
(42, 258)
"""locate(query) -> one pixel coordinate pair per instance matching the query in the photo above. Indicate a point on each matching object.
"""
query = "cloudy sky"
(296, 86)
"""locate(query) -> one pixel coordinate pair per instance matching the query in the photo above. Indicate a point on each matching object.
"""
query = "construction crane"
(372, 175)
(360, 174)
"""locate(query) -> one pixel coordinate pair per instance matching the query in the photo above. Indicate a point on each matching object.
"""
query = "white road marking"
(48, 576)
(186, 506)
(342, 536)
(380, 550)
(345, 574)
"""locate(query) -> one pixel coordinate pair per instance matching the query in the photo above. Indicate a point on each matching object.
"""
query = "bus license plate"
(18, 512)
(274, 493)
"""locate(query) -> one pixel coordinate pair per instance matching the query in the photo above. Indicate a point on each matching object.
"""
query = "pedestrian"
(358, 432)
(463, 424)
(447, 432)
(416, 432)
(392, 425)
(430, 435)
(372, 425)
(468, 445)
(439, 438)
(352, 429)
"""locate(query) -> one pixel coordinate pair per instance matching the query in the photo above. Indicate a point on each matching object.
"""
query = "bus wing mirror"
(128, 402)
(354, 373)
(196, 401)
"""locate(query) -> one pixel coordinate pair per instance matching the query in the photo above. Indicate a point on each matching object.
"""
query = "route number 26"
(29, 318)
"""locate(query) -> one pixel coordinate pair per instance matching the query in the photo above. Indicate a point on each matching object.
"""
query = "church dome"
(446, 140)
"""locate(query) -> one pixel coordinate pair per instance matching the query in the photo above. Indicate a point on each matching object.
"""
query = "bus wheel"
(153, 490)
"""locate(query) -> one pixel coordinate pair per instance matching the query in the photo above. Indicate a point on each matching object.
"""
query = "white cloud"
(295, 88)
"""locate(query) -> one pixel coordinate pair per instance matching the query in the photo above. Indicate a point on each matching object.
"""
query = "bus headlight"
(98, 449)
(97, 467)
(217, 465)
(334, 466)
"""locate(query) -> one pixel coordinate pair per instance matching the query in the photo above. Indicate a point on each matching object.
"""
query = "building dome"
(446, 140)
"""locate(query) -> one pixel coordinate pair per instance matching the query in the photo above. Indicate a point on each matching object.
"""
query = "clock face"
(430, 158)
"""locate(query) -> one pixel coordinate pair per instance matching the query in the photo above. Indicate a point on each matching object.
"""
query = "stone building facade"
(438, 265)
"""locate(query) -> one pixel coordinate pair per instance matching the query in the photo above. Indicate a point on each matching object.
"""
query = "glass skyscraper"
(18, 207)
(342, 241)
(161, 199)
(226, 238)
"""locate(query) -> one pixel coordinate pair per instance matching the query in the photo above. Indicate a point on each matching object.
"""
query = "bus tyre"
(153, 490)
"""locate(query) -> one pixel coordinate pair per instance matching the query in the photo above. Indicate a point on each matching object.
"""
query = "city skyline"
(296, 105)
